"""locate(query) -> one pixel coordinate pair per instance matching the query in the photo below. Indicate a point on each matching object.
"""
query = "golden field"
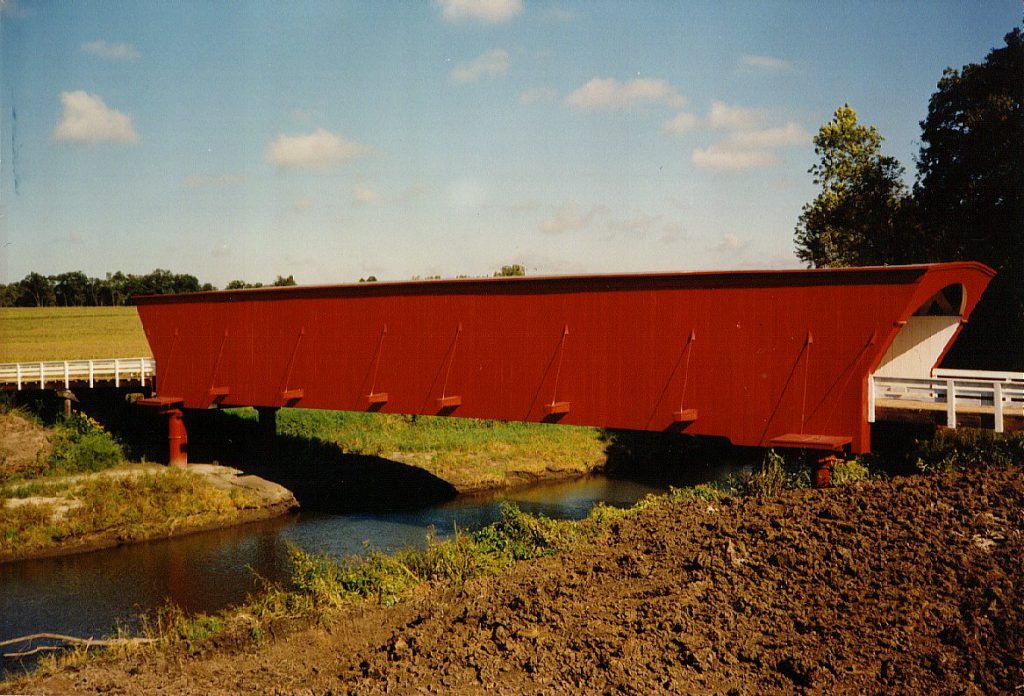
(28, 334)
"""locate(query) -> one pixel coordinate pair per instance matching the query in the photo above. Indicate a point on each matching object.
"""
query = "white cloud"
(719, 157)
(569, 218)
(364, 195)
(115, 51)
(723, 116)
(537, 94)
(789, 134)
(491, 63)
(683, 123)
(87, 119)
(609, 93)
(318, 150)
(485, 11)
(766, 63)
(731, 242)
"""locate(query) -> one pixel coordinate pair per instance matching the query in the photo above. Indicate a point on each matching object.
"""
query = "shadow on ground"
(322, 476)
(667, 458)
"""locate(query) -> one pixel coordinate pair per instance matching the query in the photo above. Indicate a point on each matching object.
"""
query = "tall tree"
(71, 289)
(971, 194)
(36, 291)
(863, 215)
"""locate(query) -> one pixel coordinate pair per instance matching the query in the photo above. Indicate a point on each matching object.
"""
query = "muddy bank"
(914, 585)
(252, 499)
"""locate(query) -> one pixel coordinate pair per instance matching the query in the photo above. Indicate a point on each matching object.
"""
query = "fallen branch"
(70, 640)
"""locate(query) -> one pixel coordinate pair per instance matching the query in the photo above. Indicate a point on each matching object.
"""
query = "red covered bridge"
(763, 358)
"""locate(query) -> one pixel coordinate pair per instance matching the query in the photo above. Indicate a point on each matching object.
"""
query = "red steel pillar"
(177, 438)
(823, 471)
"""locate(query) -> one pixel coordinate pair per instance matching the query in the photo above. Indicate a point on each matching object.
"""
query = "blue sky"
(334, 140)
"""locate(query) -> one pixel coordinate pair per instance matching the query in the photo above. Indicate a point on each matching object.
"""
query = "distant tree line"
(76, 289)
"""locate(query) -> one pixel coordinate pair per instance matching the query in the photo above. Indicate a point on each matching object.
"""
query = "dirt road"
(913, 586)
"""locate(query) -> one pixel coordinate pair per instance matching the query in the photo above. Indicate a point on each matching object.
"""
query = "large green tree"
(971, 194)
(864, 214)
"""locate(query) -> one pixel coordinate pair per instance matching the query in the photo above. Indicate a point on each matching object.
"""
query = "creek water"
(91, 594)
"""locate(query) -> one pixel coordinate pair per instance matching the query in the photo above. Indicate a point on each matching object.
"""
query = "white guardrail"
(967, 391)
(67, 372)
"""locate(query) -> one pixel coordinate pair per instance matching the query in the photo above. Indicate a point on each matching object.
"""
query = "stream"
(91, 594)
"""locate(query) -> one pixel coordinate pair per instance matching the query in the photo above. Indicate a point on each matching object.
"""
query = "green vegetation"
(476, 454)
(70, 333)
(953, 450)
(776, 474)
(81, 444)
(76, 289)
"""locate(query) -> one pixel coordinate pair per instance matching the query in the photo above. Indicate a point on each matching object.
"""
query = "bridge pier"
(177, 437)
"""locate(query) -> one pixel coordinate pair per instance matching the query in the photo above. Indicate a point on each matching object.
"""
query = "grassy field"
(69, 333)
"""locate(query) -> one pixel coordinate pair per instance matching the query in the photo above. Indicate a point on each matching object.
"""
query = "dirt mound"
(23, 445)
(911, 586)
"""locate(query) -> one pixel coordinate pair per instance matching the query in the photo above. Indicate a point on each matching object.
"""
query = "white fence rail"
(1000, 394)
(40, 375)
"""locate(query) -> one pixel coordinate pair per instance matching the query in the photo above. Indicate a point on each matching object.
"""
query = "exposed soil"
(915, 585)
(23, 445)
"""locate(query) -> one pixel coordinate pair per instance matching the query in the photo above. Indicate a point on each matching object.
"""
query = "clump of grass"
(137, 506)
(775, 474)
(27, 525)
(965, 448)
(849, 471)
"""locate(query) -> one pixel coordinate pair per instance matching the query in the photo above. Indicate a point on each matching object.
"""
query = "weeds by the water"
(137, 505)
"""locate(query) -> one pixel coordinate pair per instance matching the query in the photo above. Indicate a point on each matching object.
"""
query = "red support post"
(177, 439)
(823, 471)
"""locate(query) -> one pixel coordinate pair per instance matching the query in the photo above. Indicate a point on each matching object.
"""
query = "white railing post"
(117, 373)
(18, 371)
(90, 374)
(997, 402)
(42, 377)
(142, 370)
(871, 398)
(950, 403)
(67, 376)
